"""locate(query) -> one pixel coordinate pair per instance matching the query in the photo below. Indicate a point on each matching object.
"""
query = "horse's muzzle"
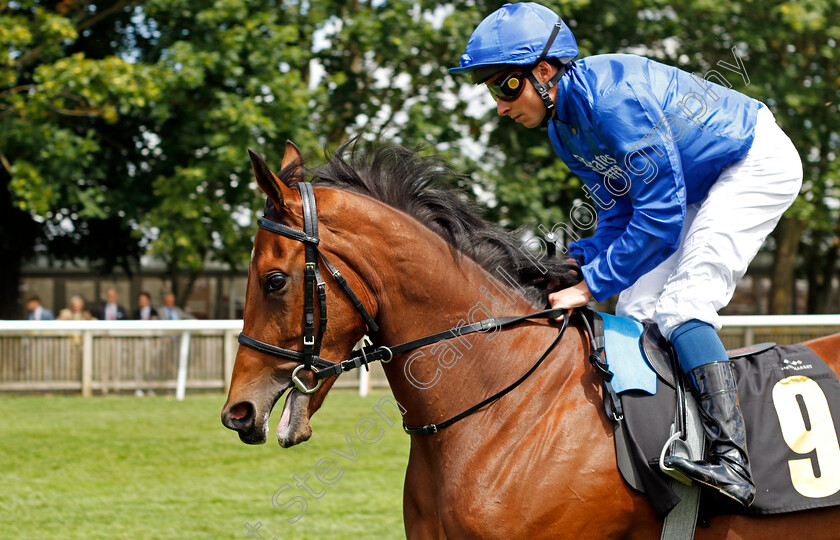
(242, 419)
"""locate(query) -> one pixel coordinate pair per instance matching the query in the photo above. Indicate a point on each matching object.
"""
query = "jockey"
(688, 177)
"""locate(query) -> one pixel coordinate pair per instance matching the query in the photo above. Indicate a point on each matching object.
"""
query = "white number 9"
(821, 437)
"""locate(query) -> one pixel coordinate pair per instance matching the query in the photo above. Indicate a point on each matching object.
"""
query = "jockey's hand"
(576, 296)
(554, 284)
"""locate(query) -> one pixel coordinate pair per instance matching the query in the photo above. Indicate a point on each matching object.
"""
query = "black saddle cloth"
(791, 404)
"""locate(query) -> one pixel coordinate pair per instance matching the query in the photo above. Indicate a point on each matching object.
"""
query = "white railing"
(741, 330)
(78, 337)
(780, 320)
(102, 355)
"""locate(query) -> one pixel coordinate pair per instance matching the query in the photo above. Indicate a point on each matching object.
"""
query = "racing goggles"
(508, 87)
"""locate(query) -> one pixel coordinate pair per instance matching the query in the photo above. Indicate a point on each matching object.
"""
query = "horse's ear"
(266, 179)
(293, 159)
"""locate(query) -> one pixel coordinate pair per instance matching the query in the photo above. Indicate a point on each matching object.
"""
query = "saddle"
(789, 397)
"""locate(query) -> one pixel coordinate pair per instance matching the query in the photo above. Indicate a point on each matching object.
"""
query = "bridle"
(314, 285)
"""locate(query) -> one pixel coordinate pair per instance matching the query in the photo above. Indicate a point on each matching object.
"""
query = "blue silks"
(646, 139)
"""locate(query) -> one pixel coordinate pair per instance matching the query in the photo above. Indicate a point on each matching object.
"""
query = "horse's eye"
(275, 282)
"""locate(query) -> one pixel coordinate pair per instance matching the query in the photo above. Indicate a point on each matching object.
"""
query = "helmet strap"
(542, 89)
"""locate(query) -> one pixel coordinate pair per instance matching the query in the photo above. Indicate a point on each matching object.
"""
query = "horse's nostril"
(240, 417)
(241, 411)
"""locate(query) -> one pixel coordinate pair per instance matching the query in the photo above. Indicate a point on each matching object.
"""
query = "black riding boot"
(727, 467)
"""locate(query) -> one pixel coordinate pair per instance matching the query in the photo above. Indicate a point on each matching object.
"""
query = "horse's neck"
(440, 380)
(419, 288)
(410, 275)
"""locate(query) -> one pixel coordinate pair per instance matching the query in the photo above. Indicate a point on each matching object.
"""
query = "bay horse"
(413, 261)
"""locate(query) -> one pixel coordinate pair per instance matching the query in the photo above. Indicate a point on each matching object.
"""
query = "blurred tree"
(235, 76)
(790, 56)
(124, 124)
(64, 163)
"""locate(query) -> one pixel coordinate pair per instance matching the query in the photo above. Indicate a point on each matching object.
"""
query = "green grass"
(153, 467)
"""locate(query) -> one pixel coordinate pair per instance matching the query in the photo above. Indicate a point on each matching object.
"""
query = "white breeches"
(721, 235)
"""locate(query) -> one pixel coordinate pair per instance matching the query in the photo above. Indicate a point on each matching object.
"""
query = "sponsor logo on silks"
(795, 365)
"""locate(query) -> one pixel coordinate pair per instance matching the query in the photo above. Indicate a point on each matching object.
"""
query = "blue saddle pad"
(624, 355)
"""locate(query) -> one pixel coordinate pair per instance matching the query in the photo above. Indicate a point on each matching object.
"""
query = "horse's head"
(379, 219)
(286, 310)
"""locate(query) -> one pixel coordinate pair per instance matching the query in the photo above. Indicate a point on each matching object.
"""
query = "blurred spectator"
(76, 311)
(111, 311)
(145, 311)
(169, 311)
(37, 312)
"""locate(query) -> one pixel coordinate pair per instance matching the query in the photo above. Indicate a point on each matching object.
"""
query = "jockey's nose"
(502, 107)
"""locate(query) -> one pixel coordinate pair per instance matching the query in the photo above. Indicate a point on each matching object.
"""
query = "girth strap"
(598, 344)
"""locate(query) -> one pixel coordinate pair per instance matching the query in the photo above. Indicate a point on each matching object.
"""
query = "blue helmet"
(516, 34)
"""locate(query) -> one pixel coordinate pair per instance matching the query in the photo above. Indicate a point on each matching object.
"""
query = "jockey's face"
(527, 109)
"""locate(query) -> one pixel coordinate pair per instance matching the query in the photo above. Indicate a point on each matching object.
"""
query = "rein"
(434, 428)
(315, 285)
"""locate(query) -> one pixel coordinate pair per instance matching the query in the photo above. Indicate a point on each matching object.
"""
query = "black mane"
(400, 177)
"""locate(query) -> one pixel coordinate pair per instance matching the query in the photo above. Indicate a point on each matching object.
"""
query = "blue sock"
(697, 344)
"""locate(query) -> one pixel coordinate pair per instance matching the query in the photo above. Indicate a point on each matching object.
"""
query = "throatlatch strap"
(372, 326)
